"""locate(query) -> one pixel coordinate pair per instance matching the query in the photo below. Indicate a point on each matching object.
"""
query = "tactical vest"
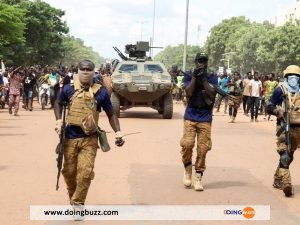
(83, 108)
(293, 105)
(200, 99)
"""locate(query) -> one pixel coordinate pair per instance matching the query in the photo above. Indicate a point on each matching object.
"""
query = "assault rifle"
(218, 90)
(285, 127)
(60, 146)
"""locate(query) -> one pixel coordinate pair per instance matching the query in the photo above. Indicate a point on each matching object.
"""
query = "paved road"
(147, 170)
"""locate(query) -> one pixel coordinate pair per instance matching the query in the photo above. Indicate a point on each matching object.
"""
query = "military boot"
(232, 120)
(288, 189)
(187, 177)
(197, 182)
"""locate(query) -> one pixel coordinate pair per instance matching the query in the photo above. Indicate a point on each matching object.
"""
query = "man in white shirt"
(246, 93)
(255, 95)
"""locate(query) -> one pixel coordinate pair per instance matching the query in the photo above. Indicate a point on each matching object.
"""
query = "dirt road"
(147, 170)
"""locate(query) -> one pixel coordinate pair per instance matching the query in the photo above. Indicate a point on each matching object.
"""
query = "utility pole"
(153, 26)
(185, 36)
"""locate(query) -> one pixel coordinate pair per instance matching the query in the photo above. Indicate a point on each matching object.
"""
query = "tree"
(174, 55)
(44, 32)
(216, 44)
(73, 50)
(11, 26)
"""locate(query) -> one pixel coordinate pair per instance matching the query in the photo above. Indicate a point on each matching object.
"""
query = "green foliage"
(258, 46)
(74, 50)
(33, 32)
(174, 55)
(11, 25)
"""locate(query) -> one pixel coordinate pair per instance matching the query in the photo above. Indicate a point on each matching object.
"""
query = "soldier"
(85, 100)
(197, 121)
(289, 89)
(106, 78)
(235, 89)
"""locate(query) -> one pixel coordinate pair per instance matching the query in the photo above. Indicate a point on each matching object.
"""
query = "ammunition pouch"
(104, 145)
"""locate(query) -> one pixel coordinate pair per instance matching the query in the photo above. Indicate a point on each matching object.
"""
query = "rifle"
(285, 125)
(225, 94)
(60, 146)
(218, 90)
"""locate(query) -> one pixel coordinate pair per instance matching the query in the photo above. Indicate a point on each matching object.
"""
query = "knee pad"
(286, 159)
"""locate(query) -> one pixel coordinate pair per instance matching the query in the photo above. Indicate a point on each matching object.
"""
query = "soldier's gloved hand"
(58, 126)
(119, 140)
(200, 73)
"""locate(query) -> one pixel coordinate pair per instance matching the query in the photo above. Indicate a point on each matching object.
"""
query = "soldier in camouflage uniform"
(235, 90)
(289, 88)
(85, 100)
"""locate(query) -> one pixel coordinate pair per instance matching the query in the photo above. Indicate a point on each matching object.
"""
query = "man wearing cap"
(290, 91)
(85, 100)
(29, 83)
(197, 120)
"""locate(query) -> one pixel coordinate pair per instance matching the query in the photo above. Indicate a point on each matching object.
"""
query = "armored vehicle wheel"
(115, 100)
(167, 106)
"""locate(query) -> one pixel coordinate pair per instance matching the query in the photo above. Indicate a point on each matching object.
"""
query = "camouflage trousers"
(79, 158)
(282, 176)
(191, 130)
(235, 104)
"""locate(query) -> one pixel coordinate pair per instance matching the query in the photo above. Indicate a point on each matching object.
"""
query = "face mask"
(293, 80)
(85, 77)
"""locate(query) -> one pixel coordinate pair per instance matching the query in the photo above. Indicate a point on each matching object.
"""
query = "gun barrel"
(122, 56)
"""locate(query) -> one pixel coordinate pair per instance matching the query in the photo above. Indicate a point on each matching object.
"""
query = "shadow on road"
(147, 115)
(7, 135)
(225, 184)
(7, 127)
(3, 167)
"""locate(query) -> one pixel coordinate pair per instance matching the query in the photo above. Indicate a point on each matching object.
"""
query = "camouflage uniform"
(203, 132)
(80, 153)
(282, 176)
(78, 171)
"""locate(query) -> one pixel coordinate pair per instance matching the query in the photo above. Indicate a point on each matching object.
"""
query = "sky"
(103, 24)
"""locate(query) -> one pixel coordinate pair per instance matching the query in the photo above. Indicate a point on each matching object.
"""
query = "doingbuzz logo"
(247, 212)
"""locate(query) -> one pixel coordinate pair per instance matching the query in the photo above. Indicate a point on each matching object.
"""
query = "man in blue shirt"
(223, 84)
(290, 89)
(85, 100)
(197, 120)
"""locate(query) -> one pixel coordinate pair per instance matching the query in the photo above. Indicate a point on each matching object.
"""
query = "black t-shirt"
(29, 81)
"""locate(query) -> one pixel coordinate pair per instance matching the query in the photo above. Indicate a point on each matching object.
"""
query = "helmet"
(201, 57)
(292, 69)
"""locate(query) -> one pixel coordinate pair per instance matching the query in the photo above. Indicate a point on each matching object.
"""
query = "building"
(291, 14)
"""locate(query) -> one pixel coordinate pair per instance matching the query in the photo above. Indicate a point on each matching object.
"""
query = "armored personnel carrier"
(138, 81)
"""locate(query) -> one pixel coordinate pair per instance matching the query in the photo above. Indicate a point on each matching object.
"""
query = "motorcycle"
(44, 93)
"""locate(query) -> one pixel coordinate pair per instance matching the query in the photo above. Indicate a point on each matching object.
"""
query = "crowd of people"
(26, 83)
(252, 90)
